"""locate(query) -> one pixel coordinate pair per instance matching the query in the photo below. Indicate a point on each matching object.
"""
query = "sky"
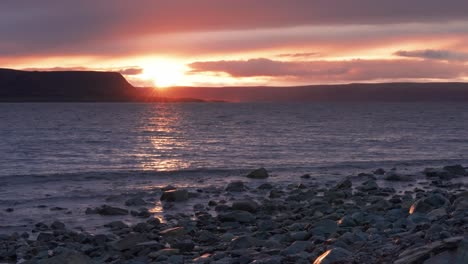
(240, 42)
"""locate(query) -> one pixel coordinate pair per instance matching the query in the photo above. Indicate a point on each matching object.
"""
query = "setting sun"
(164, 73)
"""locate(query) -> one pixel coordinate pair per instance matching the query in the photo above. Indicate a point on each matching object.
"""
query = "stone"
(422, 253)
(45, 237)
(334, 255)
(261, 173)
(456, 170)
(173, 232)
(324, 227)
(235, 186)
(184, 246)
(242, 242)
(369, 185)
(67, 257)
(237, 216)
(175, 196)
(461, 202)
(265, 186)
(344, 184)
(425, 205)
(436, 214)
(379, 171)
(164, 252)
(245, 205)
(57, 225)
(438, 173)
(394, 176)
(130, 241)
(297, 247)
(135, 202)
(109, 210)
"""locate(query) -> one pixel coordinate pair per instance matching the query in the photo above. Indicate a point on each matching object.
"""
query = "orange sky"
(225, 43)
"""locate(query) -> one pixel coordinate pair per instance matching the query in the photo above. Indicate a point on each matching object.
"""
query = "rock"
(175, 196)
(438, 173)
(135, 202)
(456, 170)
(9, 210)
(436, 214)
(261, 173)
(237, 216)
(422, 253)
(297, 247)
(242, 242)
(369, 185)
(235, 186)
(265, 186)
(334, 255)
(394, 176)
(164, 252)
(344, 184)
(173, 232)
(461, 202)
(324, 227)
(109, 210)
(428, 204)
(184, 246)
(68, 257)
(45, 237)
(116, 225)
(245, 205)
(306, 176)
(57, 225)
(130, 241)
(379, 171)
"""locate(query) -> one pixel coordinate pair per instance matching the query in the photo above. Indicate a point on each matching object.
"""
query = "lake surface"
(98, 137)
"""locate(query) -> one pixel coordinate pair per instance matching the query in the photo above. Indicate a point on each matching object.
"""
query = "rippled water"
(100, 137)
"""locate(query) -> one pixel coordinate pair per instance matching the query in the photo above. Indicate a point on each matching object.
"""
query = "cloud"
(130, 27)
(445, 55)
(123, 71)
(300, 55)
(334, 71)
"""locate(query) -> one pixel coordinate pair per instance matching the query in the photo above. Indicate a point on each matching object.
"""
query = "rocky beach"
(380, 216)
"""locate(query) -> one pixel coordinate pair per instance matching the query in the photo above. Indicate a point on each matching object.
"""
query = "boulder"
(369, 185)
(237, 216)
(68, 257)
(261, 173)
(297, 247)
(235, 186)
(109, 210)
(324, 227)
(456, 170)
(245, 205)
(334, 255)
(135, 202)
(130, 241)
(394, 176)
(422, 253)
(344, 184)
(175, 196)
(432, 202)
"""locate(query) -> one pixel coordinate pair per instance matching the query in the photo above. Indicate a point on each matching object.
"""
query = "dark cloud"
(445, 55)
(299, 55)
(64, 27)
(334, 71)
(123, 71)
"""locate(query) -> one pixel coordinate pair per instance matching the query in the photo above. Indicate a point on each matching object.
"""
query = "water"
(64, 138)
(83, 155)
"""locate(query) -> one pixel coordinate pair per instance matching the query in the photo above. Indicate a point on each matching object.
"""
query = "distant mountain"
(73, 86)
(88, 86)
(359, 92)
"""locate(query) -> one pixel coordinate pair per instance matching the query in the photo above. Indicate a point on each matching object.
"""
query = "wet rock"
(67, 257)
(175, 196)
(236, 216)
(57, 225)
(379, 171)
(461, 202)
(344, 184)
(428, 204)
(265, 186)
(164, 252)
(9, 210)
(324, 227)
(297, 247)
(438, 173)
(135, 202)
(45, 237)
(245, 205)
(184, 246)
(306, 176)
(109, 210)
(130, 241)
(173, 232)
(261, 173)
(242, 242)
(235, 186)
(422, 253)
(369, 185)
(335, 255)
(458, 170)
(394, 176)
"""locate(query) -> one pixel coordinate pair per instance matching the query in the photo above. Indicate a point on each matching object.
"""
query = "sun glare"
(164, 73)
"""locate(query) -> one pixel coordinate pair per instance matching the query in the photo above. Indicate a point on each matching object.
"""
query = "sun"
(164, 73)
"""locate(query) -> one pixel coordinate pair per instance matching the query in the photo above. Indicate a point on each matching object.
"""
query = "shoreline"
(379, 217)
